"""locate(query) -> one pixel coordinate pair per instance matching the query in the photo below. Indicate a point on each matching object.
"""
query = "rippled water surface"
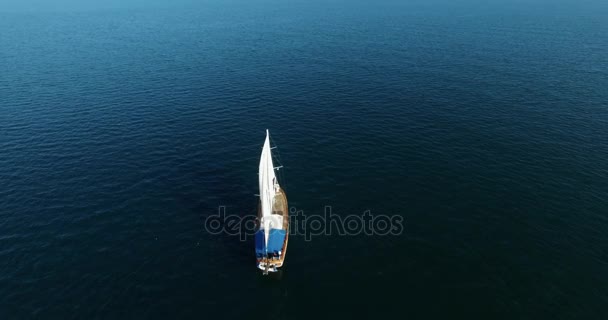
(484, 125)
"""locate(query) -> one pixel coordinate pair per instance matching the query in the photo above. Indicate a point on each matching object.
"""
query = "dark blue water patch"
(481, 124)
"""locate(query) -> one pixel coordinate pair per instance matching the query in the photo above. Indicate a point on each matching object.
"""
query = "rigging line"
(277, 155)
(280, 172)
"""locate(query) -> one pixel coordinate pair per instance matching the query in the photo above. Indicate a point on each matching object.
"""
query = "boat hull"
(280, 207)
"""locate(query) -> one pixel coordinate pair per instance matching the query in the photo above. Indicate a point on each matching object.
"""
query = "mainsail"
(267, 187)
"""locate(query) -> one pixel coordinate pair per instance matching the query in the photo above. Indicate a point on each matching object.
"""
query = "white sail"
(267, 187)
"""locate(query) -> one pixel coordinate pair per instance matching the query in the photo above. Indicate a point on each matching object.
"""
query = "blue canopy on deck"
(275, 241)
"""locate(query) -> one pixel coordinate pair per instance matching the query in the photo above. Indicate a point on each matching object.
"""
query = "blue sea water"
(484, 124)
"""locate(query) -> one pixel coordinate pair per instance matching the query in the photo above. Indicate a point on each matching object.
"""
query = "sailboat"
(273, 216)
